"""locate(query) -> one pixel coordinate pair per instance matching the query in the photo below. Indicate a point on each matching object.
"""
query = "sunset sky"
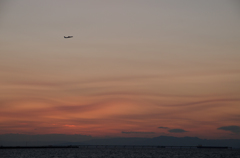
(134, 68)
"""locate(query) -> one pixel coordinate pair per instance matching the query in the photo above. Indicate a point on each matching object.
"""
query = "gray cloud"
(177, 131)
(138, 132)
(163, 127)
(233, 129)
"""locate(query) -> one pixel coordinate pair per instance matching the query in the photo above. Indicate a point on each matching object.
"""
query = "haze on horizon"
(132, 69)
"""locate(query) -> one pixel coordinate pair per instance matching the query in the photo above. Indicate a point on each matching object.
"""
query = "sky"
(132, 69)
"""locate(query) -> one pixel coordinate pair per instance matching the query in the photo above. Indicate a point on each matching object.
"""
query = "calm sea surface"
(119, 153)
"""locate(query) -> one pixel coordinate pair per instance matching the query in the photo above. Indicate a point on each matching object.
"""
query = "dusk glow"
(132, 69)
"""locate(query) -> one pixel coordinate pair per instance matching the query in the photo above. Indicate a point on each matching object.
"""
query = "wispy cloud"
(207, 101)
(163, 127)
(177, 130)
(233, 129)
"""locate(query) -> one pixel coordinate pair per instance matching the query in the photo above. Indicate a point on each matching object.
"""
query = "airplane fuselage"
(68, 36)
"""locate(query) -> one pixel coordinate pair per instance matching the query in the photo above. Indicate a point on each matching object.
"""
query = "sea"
(119, 153)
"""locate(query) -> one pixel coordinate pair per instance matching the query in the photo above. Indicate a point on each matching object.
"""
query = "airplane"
(68, 36)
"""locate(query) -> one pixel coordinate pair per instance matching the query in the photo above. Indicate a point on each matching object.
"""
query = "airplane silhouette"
(68, 36)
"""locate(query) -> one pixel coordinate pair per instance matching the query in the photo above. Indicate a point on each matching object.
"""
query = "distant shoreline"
(113, 146)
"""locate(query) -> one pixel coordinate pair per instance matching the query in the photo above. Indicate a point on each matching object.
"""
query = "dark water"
(119, 153)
